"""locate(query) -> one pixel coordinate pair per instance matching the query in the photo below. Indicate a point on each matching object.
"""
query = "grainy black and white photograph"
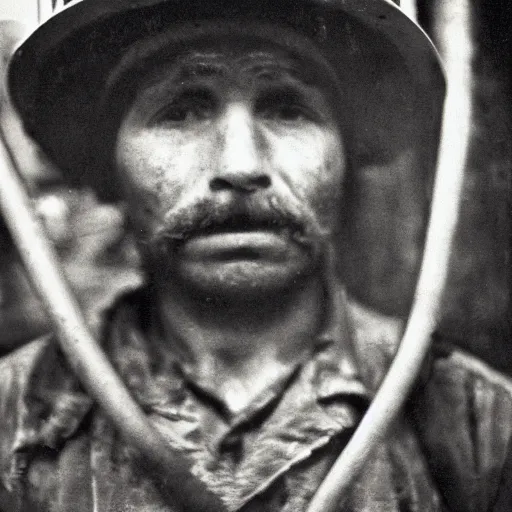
(255, 256)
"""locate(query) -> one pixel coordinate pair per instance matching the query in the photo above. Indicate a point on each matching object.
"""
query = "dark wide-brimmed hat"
(60, 81)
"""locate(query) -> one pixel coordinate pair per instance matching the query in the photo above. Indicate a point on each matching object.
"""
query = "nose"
(240, 165)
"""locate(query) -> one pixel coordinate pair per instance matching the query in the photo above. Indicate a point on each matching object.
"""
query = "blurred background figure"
(88, 236)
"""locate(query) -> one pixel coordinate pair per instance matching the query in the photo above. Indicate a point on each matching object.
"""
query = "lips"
(240, 239)
(233, 246)
(241, 224)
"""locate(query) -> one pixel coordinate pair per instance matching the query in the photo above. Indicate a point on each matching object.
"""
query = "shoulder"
(448, 357)
(468, 385)
(41, 406)
(477, 397)
(19, 371)
(463, 414)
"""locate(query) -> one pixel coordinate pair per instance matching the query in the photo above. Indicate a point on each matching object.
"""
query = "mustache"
(210, 216)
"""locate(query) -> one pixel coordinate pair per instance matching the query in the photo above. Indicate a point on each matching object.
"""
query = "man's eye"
(190, 107)
(283, 106)
(287, 113)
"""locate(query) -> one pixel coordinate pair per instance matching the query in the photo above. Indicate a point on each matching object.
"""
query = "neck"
(242, 346)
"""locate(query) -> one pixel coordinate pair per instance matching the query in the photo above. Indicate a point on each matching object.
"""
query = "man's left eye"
(283, 106)
(289, 113)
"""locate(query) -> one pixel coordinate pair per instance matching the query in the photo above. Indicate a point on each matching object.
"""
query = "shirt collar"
(331, 365)
(299, 414)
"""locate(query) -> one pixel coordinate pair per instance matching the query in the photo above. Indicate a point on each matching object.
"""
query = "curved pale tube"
(394, 390)
(86, 357)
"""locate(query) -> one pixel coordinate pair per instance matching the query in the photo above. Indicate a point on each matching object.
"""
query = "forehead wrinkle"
(200, 64)
(269, 65)
(266, 65)
(185, 68)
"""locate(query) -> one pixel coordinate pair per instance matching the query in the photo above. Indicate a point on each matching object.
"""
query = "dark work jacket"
(450, 450)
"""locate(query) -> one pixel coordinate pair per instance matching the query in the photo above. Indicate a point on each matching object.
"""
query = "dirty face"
(232, 163)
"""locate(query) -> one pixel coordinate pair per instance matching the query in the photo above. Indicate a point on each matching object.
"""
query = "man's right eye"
(188, 107)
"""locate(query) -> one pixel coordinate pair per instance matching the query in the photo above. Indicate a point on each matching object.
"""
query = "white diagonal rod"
(456, 47)
(83, 353)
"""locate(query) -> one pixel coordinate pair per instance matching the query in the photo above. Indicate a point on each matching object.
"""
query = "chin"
(242, 280)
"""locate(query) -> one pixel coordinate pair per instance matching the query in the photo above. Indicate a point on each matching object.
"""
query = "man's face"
(232, 163)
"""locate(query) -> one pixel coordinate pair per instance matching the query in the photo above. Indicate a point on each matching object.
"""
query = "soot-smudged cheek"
(310, 158)
(320, 185)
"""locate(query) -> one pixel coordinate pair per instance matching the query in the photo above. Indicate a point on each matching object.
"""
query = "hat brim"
(91, 29)
(57, 76)
(384, 16)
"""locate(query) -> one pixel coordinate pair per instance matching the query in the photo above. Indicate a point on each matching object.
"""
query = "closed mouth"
(242, 224)
(239, 238)
(242, 253)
